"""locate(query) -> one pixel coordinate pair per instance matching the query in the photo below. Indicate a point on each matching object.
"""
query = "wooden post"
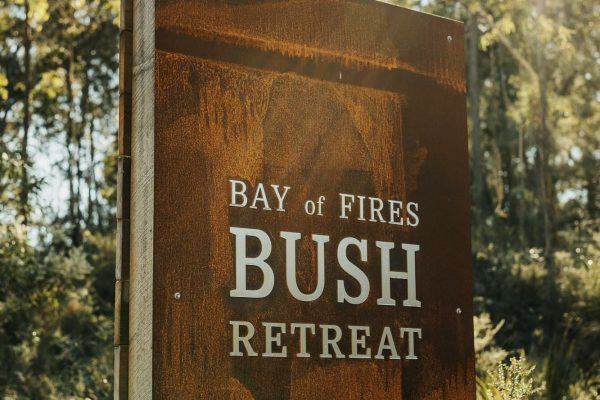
(293, 203)
(123, 259)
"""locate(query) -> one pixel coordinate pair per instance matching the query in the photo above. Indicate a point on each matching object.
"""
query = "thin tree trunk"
(513, 177)
(92, 184)
(79, 175)
(83, 105)
(70, 136)
(90, 176)
(521, 171)
(545, 178)
(547, 195)
(3, 123)
(544, 151)
(24, 198)
(477, 168)
(591, 168)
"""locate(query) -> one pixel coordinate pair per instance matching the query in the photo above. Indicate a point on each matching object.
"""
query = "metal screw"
(177, 296)
(458, 311)
(449, 39)
(340, 76)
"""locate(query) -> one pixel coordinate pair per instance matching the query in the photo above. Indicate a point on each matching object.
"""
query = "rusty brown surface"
(352, 33)
(325, 97)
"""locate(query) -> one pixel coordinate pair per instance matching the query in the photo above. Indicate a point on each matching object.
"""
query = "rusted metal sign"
(311, 211)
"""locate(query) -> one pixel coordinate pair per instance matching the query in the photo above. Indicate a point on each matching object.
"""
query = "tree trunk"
(91, 177)
(544, 152)
(547, 194)
(79, 135)
(24, 198)
(591, 168)
(476, 151)
(71, 165)
(521, 172)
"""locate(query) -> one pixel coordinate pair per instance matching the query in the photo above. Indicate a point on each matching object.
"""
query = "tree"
(56, 266)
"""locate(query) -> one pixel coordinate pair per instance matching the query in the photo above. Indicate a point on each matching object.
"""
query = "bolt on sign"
(299, 202)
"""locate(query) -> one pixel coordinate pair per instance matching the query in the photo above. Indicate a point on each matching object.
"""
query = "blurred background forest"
(533, 72)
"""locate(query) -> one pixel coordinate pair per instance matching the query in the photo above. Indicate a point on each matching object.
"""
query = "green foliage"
(487, 353)
(511, 381)
(54, 335)
(58, 95)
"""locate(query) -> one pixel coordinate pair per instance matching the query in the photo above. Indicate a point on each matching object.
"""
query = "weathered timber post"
(293, 218)
(123, 258)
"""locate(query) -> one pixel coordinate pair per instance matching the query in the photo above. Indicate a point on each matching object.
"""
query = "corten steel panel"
(325, 97)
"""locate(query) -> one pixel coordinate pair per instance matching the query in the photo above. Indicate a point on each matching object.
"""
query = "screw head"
(449, 39)
(177, 296)
(458, 311)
